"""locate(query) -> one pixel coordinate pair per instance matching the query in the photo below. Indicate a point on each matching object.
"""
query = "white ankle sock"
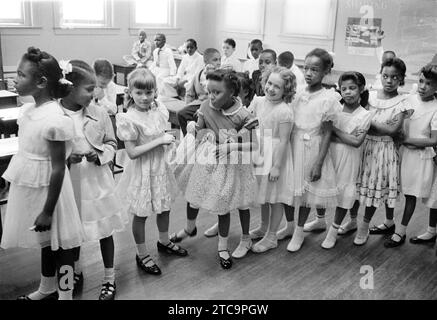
(163, 238)
(430, 232)
(47, 286)
(141, 250)
(222, 243)
(331, 237)
(109, 275)
(389, 223)
(401, 229)
(297, 240)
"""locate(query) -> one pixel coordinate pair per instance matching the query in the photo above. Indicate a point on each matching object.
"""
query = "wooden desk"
(9, 114)
(8, 121)
(7, 99)
(8, 147)
(124, 69)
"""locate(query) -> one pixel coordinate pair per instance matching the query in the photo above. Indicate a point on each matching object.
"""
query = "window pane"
(299, 12)
(11, 10)
(152, 11)
(244, 15)
(74, 10)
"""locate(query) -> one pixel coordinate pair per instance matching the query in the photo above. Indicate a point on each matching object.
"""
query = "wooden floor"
(408, 272)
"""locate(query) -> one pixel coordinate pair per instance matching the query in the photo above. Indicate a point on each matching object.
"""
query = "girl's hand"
(75, 158)
(223, 150)
(43, 222)
(316, 173)
(166, 139)
(91, 156)
(274, 174)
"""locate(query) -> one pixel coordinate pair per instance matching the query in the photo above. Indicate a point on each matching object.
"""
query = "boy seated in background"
(197, 92)
(163, 62)
(267, 59)
(191, 63)
(141, 54)
(286, 60)
(255, 48)
(229, 58)
(105, 92)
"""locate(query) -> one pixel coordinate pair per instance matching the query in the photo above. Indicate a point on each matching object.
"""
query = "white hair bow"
(66, 68)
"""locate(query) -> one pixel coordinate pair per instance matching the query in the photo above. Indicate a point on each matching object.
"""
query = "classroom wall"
(409, 27)
(91, 44)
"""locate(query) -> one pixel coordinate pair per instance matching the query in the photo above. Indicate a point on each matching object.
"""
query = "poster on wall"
(363, 36)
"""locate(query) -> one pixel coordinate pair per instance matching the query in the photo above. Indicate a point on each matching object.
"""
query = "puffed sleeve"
(126, 130)
(163, 109)
(331, 107)
(285, 114)
(365, 122)
(253, 107)
(434, 121)
(59, 128)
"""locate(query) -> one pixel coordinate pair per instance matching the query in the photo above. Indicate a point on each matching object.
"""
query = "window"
(153, 13)
(15, 13)
(252, 21)
(71, 13)
(301, 19)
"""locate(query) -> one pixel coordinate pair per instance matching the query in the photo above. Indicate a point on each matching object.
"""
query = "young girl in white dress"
(378, 180)
(275, 176)
(41, 211)
(417, 165)
(94, 147)
(349, 130)
(314, 110)
(148, 185)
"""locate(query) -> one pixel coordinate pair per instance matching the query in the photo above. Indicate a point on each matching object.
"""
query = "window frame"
(108, 22)
(261, 22)
(26, 20)
(171, 17)
(332, 23)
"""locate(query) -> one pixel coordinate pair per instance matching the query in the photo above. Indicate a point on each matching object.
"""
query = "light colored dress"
(310, 111)
(148, 185)
(270, 117)
(94, 188)
(29, 173)
(219, 186)
(347, 158)
(379, 176)
(417, 165)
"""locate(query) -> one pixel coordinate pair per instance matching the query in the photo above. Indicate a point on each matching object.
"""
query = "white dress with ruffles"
(417, 165)
(346, 158)
(94, 189)
(148, 185)
(29, 173)
(270, 117)
(310, 111)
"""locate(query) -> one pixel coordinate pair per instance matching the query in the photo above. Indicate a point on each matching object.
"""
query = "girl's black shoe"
(154, 269)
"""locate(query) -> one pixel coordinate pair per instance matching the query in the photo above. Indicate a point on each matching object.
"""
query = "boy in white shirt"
(141, 54)
(255, 48)
(190, 64)
(286, 59)
(229, 59)
(105, 92)
(163, 62)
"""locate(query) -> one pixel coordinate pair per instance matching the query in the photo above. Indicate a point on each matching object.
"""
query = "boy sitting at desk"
(196, 92)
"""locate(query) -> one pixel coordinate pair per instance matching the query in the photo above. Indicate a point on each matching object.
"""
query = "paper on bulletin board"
(363, 36)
